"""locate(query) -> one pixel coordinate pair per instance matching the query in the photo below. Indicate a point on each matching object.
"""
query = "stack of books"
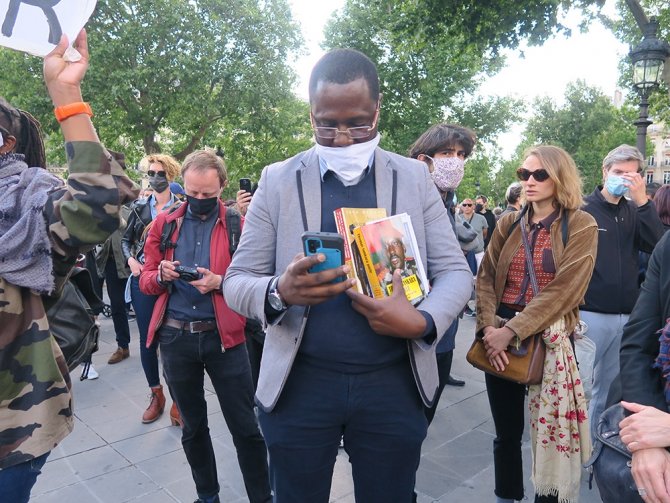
(375, 246)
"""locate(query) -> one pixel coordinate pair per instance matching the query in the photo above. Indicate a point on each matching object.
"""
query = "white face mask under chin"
(348, 163)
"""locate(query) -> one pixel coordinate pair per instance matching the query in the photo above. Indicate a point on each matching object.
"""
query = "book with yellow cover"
(346, 220)
(389, 244)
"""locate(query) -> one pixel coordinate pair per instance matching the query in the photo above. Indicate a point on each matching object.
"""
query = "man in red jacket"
(197, 331)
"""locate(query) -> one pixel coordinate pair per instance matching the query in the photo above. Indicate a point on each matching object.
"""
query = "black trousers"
(186, 358)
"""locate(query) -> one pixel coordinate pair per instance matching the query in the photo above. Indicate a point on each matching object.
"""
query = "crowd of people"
(330, 367)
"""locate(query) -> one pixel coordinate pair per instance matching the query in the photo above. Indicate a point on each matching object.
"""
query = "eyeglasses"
(159, 174)
(540, 175)
(466, 204)
(330, 133)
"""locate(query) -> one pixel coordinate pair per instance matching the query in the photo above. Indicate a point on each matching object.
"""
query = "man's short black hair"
(341, 66)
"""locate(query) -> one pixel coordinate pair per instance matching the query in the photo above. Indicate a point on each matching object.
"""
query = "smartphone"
(245, 185)
(331, 244)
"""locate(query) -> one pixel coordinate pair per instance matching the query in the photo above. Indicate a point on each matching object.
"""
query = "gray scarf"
(25, 249)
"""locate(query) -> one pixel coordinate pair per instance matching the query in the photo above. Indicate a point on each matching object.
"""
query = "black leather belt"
(193, 327)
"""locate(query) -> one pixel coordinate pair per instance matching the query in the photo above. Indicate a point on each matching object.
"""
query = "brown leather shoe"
(118, 355)
(156, 405)
(175, 417)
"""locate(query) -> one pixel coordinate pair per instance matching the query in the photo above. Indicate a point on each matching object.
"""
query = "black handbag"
(71, 319)
(610, 461)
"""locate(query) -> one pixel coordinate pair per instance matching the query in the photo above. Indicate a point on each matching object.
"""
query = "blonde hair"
(202, 160)
(169, 163)
(562, 171)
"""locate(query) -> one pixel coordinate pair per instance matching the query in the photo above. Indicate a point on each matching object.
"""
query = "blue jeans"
(380, 416)
(185, 358)
(144, 306)
(17, 481)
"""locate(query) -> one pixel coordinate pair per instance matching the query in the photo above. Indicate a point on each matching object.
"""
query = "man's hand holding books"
(394, 316)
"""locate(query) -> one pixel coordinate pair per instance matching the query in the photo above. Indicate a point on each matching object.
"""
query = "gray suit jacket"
(272, 238)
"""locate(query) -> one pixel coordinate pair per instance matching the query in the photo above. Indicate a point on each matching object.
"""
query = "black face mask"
(202, 207)
(158, 183)
(479, 208)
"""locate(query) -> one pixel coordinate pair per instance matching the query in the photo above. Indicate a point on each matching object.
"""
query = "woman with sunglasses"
(162, 169)
(562, 242)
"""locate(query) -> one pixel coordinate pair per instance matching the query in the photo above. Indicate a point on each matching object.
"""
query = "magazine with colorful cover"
(389, 244)
(346, 220)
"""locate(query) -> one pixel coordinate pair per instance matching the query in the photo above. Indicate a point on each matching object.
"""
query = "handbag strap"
(529, 259)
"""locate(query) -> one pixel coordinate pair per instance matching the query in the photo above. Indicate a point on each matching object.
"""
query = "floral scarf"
(560, 437)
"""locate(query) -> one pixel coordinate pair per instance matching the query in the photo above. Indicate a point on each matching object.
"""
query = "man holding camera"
(186, 255)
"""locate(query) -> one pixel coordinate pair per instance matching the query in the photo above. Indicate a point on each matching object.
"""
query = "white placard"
(35, 26)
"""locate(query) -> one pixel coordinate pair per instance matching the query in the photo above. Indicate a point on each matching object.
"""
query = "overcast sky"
(544, 70)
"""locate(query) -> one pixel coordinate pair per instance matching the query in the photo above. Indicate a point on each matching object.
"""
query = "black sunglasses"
(540, 175)
(466, 204)
(160, 174)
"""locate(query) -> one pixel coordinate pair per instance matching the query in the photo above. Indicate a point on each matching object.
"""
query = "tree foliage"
(587, 126)
(626, 29)
(166, 75)
(431, 56)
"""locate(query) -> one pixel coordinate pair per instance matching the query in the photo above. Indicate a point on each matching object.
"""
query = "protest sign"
(36, 26)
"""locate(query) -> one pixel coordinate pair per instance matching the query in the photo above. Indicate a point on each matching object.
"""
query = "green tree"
(431, 55)
(626, 29)
(587, 126)
(166, 72)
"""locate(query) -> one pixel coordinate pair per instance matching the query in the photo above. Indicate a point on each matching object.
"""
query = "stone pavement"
(112, 457)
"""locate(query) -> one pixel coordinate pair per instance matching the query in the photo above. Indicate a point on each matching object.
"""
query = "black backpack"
(233, 226)
(71, 319)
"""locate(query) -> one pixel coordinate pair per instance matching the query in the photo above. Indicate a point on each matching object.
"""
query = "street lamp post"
(648, 59)
(477, 187)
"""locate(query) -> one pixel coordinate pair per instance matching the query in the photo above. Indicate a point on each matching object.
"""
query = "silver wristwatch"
(274, 299)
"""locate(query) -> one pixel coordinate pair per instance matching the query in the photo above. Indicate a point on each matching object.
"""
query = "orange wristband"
(77, 108)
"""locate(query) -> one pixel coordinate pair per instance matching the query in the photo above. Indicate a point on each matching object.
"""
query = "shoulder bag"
(526, 357)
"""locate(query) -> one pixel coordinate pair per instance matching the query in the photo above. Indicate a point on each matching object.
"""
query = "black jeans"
(116, 289)
(185, 357)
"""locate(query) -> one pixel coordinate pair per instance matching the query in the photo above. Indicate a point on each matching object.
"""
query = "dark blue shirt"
(186, 303)
(336, 336)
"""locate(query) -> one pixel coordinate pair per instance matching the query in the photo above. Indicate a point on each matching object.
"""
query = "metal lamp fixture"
(649, 58)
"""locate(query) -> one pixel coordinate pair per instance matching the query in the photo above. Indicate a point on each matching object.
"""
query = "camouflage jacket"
(35, 399)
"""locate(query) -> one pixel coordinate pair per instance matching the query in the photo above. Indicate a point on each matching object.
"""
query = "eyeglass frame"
(160, 174)
(347, 131)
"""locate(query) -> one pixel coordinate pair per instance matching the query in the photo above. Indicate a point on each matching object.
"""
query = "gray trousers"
(605, 330)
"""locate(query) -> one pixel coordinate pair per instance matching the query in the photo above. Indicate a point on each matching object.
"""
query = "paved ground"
(112, 457)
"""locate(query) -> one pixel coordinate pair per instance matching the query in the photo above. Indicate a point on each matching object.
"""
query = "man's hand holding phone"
(298, 286)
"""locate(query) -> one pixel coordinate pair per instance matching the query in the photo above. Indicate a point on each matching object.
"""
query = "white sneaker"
(92, 373)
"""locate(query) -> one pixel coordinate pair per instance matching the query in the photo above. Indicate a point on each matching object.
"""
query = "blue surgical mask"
(615, 185)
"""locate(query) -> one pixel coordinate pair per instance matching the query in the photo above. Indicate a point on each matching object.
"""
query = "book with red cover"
(389, 244)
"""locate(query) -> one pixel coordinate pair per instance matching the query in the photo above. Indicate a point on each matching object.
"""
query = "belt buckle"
(192, 327)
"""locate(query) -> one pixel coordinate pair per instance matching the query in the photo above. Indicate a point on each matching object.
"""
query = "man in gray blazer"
(336, 363)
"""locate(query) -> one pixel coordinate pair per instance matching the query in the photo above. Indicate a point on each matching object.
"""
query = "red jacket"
(229, 323)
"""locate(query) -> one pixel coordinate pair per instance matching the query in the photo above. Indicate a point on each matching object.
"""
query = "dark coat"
(640, 382)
